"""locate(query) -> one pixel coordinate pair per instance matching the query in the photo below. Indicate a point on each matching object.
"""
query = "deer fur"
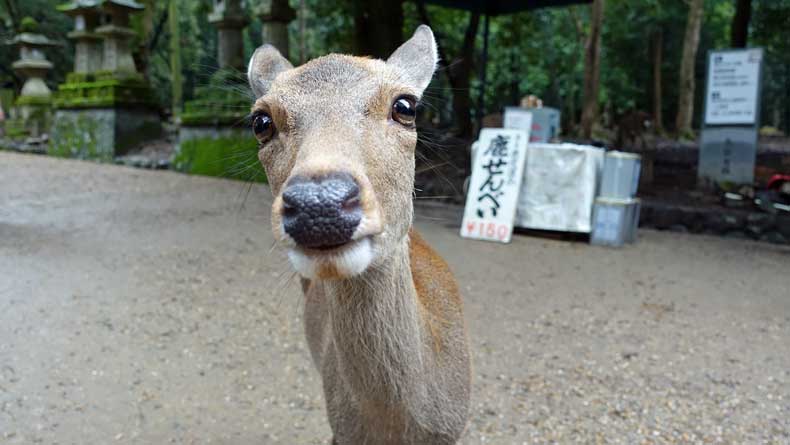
(383, 316)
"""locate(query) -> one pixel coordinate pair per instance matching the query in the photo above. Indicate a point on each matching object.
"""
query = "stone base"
(31, 117)
(228, 152)
(102, 133)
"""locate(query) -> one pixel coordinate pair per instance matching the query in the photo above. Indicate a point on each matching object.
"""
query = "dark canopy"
(497, 7)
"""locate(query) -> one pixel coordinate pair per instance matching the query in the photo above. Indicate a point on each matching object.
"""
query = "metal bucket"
(614, 221)
(620, 175)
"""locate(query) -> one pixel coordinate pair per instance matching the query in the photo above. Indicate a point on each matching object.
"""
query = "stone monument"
(229, 19)
(214, 136)
(275, 16)
(31, 114)
(105, 108)
(87, 44)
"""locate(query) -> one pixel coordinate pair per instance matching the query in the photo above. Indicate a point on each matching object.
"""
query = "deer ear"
(415, 61)
(265, 64)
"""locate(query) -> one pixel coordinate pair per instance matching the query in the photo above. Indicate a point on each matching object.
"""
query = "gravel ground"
(148, 307)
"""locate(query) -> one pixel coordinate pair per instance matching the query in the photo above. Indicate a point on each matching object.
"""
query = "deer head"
(337, 138)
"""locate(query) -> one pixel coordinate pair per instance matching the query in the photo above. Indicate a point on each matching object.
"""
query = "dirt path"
(142, 307)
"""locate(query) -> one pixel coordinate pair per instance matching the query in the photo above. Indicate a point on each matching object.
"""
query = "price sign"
(497, 171)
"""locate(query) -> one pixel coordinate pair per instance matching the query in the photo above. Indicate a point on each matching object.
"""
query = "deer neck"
(377, 330)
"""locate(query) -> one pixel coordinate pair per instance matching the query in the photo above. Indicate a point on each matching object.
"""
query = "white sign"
(497, 171)
(518, 118)
(733, 87)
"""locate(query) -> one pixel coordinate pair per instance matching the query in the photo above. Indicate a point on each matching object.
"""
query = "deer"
(383, 315)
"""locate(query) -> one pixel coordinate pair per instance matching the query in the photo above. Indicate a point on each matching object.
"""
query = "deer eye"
(263, 127)
(404, 110)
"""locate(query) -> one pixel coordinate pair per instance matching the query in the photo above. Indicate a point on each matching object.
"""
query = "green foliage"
(770, 31)
(15, 128)
(28, 24)
(227, 157)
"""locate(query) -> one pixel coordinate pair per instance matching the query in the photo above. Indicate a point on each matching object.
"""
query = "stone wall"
(716, 220)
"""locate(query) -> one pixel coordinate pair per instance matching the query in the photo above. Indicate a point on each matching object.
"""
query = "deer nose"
(321, 213)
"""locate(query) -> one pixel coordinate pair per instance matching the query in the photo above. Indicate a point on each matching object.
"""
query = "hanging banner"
(497, 171)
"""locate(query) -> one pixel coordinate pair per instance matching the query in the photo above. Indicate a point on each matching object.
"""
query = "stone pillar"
(116, 52)
(31, 113)
(229, 19)
(87, 44)
(275, 15)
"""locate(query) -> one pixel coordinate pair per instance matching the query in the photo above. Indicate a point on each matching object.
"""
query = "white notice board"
(497, 171)
(733, 87)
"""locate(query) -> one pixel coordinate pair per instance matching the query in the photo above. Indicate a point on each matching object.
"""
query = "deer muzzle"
(323, 212)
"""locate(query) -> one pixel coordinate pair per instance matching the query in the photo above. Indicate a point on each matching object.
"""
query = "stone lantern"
(105, 108)
(229, 18)
(30, 116)
(213, 130)
(117, 53)
(275, 16)
(88, 44)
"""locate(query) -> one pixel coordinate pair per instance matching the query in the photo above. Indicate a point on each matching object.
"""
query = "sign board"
(733, 88)
(497, 171)
(727, 154)
(544, 124)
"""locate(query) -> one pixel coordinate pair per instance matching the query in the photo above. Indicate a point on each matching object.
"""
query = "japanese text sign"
(497, 171)
(733, 87)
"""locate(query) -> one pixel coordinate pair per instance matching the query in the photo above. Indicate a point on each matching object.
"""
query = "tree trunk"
(378, 27)
(143, 52)
(658, 47)
(571, 104)
(459, 72)
(302, 32)
(686, 87)
(787, 99)
(13, 14)
(739, 30)
(175, 58)
(592, 65)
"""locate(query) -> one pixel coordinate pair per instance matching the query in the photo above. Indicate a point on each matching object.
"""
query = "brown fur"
(389, 340)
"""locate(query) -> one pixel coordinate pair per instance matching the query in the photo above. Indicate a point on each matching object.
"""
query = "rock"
(782, 225)
(736, 234)
(774, 237)
(664, 216)
(680, 228)
(692, 219)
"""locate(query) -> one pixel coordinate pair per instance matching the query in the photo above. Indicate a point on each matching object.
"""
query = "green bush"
(227, 157)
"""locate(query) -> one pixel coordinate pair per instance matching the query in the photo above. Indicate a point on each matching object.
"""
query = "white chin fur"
(350, 261)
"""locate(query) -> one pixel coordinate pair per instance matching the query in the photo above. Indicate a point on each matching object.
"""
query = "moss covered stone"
(224, 101)
(104, 89)
(233, 157)
(81, 136)
(102, 133)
